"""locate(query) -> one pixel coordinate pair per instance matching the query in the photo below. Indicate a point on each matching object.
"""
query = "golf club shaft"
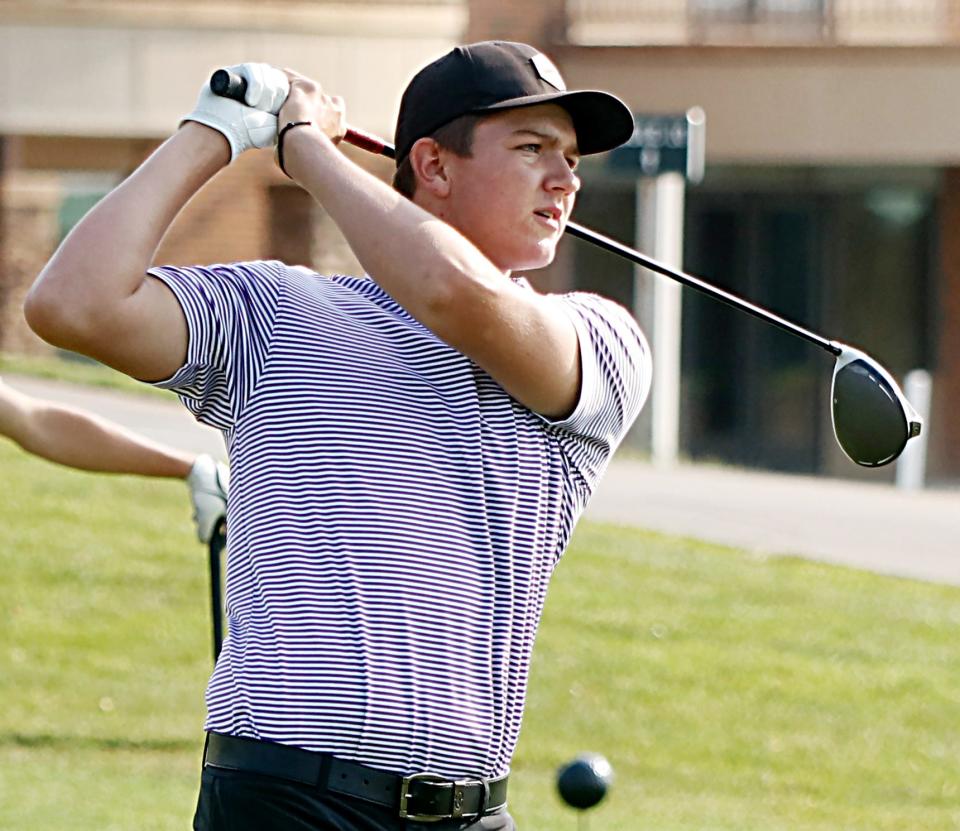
(230, 85)
(614, 247)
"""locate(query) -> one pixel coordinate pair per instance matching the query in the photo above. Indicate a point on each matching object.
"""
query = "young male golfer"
(410, 449)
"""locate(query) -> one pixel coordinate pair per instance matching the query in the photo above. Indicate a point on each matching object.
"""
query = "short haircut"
(455, 136)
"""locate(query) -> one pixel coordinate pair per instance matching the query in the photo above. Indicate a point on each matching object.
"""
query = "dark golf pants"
(241, 801)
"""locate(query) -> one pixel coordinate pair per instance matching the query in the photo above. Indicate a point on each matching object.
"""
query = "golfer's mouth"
(550, 215)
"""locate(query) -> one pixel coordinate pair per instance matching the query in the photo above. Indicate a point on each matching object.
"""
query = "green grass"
(75, 369)
(728, 691)
(104, 650)
(732, 692)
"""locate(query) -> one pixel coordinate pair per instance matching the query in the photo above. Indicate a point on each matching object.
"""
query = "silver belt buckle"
(405, 795)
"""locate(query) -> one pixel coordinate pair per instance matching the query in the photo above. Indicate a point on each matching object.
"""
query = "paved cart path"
(863, 525)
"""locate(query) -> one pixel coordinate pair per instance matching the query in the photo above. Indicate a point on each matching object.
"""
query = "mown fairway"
(728, 691)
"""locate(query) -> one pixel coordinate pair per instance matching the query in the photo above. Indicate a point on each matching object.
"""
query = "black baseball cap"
(498, 75)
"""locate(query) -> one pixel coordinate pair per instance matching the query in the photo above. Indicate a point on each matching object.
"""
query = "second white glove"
(209, 481)
(249, 125)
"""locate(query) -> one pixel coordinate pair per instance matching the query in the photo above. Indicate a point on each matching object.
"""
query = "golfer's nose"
(562, 176)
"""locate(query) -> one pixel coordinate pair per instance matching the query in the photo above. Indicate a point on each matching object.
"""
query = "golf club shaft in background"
(217, 543)
(231, 85)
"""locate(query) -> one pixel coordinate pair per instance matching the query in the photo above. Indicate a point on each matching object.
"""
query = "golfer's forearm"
(425, 264)
(103, 260)
(82, 440)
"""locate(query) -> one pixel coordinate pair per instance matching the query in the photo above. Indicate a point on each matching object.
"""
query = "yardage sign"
(663, 144)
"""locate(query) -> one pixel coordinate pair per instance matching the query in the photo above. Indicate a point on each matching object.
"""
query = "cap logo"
(548, 71)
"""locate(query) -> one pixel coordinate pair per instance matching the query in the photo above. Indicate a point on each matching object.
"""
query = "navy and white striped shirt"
(394, 515)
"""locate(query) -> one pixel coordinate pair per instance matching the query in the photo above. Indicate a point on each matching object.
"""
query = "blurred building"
(832, 196)
(832, 186)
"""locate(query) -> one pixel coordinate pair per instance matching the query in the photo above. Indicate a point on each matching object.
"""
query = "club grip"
(228, 84)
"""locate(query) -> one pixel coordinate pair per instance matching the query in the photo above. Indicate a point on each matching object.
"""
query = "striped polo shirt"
(394, 515)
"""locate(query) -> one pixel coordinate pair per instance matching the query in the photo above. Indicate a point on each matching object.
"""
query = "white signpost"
(666, 151)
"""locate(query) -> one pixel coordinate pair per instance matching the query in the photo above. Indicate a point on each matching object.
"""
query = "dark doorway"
(753, 394)
(848, 252)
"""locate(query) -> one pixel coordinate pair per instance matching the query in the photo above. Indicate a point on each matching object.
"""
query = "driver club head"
(872, 419)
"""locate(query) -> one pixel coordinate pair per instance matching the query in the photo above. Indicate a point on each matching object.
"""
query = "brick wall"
(228, 220)
(248, 211)
(3, 228)
(30, 203)
(252, 211)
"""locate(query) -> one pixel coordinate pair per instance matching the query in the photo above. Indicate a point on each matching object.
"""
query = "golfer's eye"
(531, 147)
(573, 162)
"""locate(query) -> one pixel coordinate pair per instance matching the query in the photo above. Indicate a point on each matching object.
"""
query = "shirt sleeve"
(230, 312)
(616, 370)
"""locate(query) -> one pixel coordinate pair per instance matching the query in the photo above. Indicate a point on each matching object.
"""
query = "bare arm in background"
(78, 439)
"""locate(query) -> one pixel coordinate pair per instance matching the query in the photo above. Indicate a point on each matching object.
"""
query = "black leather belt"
(422, 797)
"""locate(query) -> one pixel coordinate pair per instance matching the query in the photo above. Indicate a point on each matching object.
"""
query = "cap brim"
(601, 120)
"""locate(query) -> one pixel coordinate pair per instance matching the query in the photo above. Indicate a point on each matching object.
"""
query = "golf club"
(872, 419)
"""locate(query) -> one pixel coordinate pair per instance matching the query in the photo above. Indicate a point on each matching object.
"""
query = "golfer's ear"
(427, 160)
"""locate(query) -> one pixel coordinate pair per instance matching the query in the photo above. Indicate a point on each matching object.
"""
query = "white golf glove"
(209, 481)
(250, 125)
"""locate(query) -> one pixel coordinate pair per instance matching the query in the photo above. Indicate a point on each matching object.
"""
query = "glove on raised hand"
(250, 125)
